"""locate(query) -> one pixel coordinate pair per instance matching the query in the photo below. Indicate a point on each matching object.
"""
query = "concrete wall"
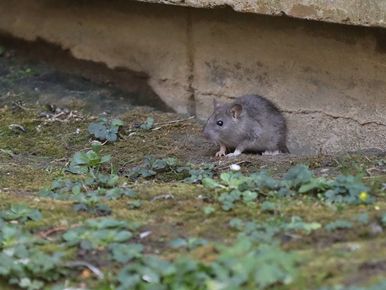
(329, 79)
(354, 12)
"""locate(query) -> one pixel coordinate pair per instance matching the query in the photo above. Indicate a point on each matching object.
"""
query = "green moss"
(171, 209)
(53, 140)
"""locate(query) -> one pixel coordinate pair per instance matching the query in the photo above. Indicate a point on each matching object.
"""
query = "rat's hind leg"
(271, 153)
(234, 154)
(239, 149)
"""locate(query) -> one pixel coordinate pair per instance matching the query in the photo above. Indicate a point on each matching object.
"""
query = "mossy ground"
(31, 160)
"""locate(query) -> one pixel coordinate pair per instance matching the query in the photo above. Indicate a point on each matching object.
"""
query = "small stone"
(235, 167)
(144, 234)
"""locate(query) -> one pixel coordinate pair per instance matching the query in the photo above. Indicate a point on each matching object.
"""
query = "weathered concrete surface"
(329, 79)
(112, 32)
(355, 12)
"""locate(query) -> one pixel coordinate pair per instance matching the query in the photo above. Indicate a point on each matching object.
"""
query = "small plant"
(148, 124)
(124, 253)
(267, 232)
(105, 130)
(241, 266)
(90, 161)
(234, 187)
(152, 166)
(190, 173)
(94, 209)
(189, 244)
(259, 268)
(99, 233)
(90, 186)
(347, 189)
(196, 173)
(20, 212)
(23, 263)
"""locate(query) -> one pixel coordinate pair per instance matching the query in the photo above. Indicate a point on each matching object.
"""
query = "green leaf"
(249, 196)
(315, 184)
(148, 125)
(267, 206)
(80, 158)
(135, 204)
(113, 180)
(105, 130)
(96, 146)
(123, 253)
(210, 183)
(111, 135)
(339, 224)
(98, 130)
(363, 218)
(21, 213)
(76, 189)
(116, 123)
(236, 223)
(297, 224)
(298, 175)
(208, 210)
(179, 243)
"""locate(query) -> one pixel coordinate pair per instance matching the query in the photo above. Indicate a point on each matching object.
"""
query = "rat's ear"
(236, 110)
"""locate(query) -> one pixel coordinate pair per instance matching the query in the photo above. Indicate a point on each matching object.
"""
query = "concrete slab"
(354, 12)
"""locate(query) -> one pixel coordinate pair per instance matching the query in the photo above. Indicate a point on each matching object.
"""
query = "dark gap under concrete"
(130, 87)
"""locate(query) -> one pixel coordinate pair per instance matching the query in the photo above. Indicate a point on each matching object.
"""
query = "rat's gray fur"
(259, 127)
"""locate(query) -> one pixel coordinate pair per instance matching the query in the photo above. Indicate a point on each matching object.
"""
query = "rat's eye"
(219, 123)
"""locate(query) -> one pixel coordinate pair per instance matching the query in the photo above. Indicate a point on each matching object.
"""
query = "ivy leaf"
(297, 224)
(298, 175)
(210, 183)
(179, 243)
(363, 218)
(80, 158)
(111, 136)
(99, 130)
(123, 253)
(208, 210)
(148, 125)
(315, 184)
(116, 123)
(21, 213)
(105, 130)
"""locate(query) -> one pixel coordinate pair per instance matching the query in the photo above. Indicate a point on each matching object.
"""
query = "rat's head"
(225, 124)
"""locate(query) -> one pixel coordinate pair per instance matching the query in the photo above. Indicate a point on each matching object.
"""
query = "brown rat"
(250, 123)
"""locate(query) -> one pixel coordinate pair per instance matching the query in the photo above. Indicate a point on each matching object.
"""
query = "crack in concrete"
(308, 112)
(190, 63)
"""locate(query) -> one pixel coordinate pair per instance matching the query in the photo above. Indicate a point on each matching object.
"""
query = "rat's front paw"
(220, 153)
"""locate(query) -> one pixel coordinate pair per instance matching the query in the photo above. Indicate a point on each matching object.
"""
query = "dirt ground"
(45, 111)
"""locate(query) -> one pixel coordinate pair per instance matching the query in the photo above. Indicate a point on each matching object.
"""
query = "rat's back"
(269, 117)
(257, 105)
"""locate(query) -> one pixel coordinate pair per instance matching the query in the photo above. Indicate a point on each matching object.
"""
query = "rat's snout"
(206, 133)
